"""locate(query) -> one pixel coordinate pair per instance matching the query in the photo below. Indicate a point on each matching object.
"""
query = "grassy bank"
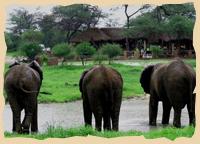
(59, 132)
(61, 82)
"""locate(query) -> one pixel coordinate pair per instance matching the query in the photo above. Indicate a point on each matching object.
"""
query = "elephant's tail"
(24, 90)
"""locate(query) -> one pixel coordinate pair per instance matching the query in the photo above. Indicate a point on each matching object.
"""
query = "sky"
(116, 12)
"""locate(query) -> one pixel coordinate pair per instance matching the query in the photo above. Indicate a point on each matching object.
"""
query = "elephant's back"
(101, 77)
(21, 75)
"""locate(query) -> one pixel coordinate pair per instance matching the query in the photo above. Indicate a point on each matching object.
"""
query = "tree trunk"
(82, 60)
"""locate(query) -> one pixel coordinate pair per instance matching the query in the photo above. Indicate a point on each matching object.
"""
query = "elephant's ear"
(34, 65)
(81, 80)
(14, 64)
(146, 77)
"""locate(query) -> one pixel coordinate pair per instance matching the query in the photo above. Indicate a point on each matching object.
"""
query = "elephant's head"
(146, 78)
(34, 65)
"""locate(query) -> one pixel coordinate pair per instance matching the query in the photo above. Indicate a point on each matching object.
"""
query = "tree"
(32, 36)
(62, 50)
(76, 17)
(29, 44)
(145, 25)
(21, 20)
(9, 41)
(52, 34)
(84, 50)
(128, 16)
(180, 27)
(152, 24)
(166, 11)
(111, 50)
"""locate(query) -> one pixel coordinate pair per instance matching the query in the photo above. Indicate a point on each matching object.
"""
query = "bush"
(30, 49)
(84, 50)
(99, 58)
(156, 51)
(61, 50)
(111, 50)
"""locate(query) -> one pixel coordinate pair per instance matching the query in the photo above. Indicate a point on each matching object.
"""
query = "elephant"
(101, 89)
(22, 84)
(173, 84)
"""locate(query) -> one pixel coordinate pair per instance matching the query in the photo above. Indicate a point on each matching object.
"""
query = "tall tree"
(166, 11)
(21, 20)
(128, 16)
(52, 34)
(76, 17)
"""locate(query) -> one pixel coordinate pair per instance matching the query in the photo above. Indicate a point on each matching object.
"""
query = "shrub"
(62, 50)
(99, 58)
(156, 51)
(84, 50)
(30, 49)
(111, 50)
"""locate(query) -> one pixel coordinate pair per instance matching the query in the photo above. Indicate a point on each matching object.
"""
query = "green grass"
(62, 81)
(13, 53)
(59, 132)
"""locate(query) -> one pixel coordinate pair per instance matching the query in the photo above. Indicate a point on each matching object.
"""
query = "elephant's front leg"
(153, 110)
(177, 117)
(166, 112)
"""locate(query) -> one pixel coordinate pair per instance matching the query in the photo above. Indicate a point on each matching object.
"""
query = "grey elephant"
(101, 89)
(22, 84)
(173, 84)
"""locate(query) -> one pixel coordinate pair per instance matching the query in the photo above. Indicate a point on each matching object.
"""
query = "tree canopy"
(76, 17)
(175, 20)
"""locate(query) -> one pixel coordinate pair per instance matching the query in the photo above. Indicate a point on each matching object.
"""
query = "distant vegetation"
(51, 30)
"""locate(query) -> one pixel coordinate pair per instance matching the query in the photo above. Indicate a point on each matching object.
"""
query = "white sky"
(117, 15)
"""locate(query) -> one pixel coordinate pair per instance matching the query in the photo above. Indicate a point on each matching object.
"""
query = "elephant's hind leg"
(98, 114)
(116, 109)
(166, 112)
(106, 120)
(30, 106)
(191, 111)
(177, 118)
(34, 122)
(98, 121)
(16, 110)
(87, 112)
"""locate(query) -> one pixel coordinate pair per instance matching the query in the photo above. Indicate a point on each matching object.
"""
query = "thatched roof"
(99, 34)
(116, 34)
